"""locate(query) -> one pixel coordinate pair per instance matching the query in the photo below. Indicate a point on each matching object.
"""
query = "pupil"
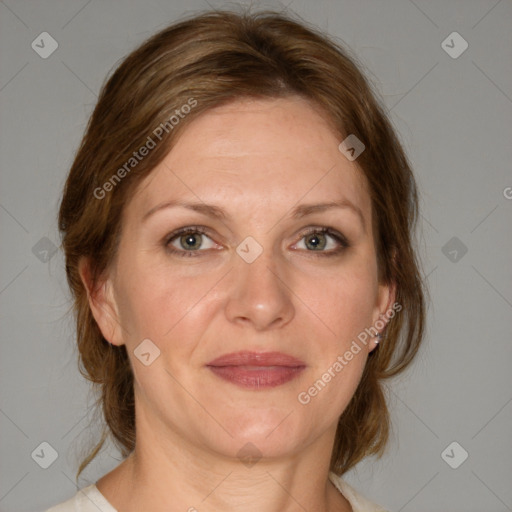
(315, 242)
(191, 241)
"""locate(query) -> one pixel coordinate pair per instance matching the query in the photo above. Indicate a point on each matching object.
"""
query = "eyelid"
(187, 229)
(309, 230)
(343, 243)
(203, 230)
(327, 230)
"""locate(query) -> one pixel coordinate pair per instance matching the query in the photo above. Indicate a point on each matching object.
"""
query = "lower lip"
(257, 377)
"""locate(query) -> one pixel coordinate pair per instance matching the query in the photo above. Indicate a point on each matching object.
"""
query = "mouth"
(257, 370)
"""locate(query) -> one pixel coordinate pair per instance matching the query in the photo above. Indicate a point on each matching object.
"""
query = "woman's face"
(255, 279)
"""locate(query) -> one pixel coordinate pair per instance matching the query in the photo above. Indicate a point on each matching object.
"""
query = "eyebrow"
(216, 212)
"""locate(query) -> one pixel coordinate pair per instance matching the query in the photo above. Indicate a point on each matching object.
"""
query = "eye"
(325, 241)
(189, 241)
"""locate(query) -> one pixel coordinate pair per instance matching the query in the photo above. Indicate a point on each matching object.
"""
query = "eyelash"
(344, 244)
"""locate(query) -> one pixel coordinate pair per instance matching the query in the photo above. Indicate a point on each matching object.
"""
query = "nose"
(260, 295)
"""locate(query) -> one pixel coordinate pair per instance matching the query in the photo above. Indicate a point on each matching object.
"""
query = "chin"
(271, 433)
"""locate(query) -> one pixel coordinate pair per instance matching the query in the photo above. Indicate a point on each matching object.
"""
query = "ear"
(386, 296)
(102, 303)
(384, 308)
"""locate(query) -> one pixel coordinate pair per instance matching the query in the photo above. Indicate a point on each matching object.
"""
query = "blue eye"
(192, 240)
(317, 241)
(188, 241)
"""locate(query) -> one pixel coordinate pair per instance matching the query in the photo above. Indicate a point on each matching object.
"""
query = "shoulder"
(358, 502)
(88, 499)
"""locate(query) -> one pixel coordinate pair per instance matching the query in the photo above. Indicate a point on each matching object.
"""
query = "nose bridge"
(259, 294)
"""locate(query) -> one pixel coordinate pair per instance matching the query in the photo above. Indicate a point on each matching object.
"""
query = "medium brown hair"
(211, 59)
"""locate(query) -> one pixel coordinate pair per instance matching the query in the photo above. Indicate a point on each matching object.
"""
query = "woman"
(238, 227)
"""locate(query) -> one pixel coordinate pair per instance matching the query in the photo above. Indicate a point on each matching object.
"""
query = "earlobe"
(102, 303)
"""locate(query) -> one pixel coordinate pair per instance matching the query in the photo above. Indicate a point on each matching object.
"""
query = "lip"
(257, 370)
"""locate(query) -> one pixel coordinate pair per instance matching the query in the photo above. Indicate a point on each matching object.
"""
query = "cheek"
(345, 307)
(170, 310)
(345, 302)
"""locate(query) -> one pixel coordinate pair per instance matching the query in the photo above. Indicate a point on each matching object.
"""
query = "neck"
(168, 473)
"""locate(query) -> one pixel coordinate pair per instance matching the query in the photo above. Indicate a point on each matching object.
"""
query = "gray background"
(454, 116)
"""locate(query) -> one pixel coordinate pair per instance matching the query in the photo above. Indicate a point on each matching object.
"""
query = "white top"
(90, 499)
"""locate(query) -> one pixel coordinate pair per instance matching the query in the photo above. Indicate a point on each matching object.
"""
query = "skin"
(256, 159)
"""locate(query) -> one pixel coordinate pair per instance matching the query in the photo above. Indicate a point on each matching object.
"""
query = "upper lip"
(248, 358)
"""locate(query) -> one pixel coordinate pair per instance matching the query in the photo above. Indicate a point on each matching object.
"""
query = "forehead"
(272, 151)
